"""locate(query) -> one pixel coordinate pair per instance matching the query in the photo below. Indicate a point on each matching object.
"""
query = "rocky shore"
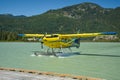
(20, 74)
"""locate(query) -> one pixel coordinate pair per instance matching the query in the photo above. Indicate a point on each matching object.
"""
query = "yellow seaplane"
(60, 41)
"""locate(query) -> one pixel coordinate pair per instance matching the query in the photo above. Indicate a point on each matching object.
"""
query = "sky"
(36, 7)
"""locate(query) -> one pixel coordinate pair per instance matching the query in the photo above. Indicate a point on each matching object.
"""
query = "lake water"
(96, 59)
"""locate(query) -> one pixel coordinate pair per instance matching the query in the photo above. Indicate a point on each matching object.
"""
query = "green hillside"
(86, 17)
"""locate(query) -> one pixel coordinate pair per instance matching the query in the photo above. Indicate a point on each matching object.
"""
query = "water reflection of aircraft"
(61, 41)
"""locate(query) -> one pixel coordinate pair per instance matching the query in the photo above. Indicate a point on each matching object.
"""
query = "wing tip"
(108, 33)
(22, 35)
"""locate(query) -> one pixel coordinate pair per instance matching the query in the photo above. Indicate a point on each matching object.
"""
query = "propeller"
(41, 41)
(41, 45)
(79, 38)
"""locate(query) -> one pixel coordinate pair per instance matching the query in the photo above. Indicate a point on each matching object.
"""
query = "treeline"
(9, 36)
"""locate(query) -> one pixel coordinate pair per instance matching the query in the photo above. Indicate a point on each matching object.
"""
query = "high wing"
(31, 35)
(85, 35)
(81, 35)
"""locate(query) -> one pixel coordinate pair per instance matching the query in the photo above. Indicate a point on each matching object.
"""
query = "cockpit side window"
(52, 36)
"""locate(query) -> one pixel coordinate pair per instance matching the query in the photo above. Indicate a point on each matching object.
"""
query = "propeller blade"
(41, 45)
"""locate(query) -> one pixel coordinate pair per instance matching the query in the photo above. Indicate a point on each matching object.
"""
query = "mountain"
(86, 17)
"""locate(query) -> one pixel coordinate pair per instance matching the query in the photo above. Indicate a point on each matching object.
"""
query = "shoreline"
(38, 75)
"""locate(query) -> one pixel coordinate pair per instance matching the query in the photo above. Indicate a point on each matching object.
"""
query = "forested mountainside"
(86, 17)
